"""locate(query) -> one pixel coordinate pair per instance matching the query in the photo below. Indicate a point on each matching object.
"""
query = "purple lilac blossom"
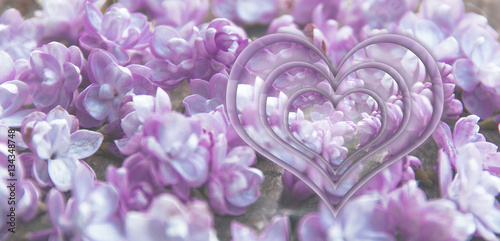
(175, 13)
(27, 194)
(167, 218)
(132, 122)
(179, 149)
(17, 36)
(363, 218)
(110, 82)
(302, 9)
(223, 41)
(62, 20)
(473, 189)
(278, 229)
(57, 146)
(466, 131)
(117, 31)
(176, 53)
(89, 214)
(245, 12)
(13, 93)
(206, 96)
(135, 182)
(419, 219)
(233, 184)
(54, 75)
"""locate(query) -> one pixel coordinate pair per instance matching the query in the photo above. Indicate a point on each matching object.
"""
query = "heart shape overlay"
(263, 134)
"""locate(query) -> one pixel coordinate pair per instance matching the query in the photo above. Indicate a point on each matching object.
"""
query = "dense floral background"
(122, 134)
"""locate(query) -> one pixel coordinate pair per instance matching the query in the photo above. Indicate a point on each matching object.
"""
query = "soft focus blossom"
(117, 31)
(57, 146)
(54, 75)
(62, 20)
(363, 218)
(181, 153)
(175, 13)
(169, 219)
(233, 184)
(134, 181)
(90, 214)
(17, 36)
(246, 12)
(412, 214)
(278, 229)
(473, 189)
(206, 96)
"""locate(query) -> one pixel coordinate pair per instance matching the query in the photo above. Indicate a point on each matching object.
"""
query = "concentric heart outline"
(408, 43)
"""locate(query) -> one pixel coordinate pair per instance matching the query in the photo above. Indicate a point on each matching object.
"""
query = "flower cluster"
(85, 77)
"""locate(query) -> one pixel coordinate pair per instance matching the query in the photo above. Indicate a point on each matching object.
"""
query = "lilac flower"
(110, 82)
(374, 14)
(17, 36)
(472, 189)
(175, 13)
(206, 96)
(132, 122)
(90, 214)
(302, 9)
(282, 23)
(168, 219)
(176, 56)
(134, 182)
(223, 42)
(27, 194)
(466, 131)
(176, 142)
(278, 229)
(54, 75)
(296, 187)
(233, 185)
(118, 31)
(440, 219)
(476, 73)
(57, 146)
(363, 218)
(246, 12)
(62, 20)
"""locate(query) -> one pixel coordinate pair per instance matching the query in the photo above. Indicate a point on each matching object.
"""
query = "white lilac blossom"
(233, 184)
(473, 189)
(18, 36)
(117, 31)
(54, 75)
(57, 145)
(167, 218)
(278, 229)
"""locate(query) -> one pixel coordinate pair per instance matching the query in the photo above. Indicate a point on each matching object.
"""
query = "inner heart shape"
(262, 136)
